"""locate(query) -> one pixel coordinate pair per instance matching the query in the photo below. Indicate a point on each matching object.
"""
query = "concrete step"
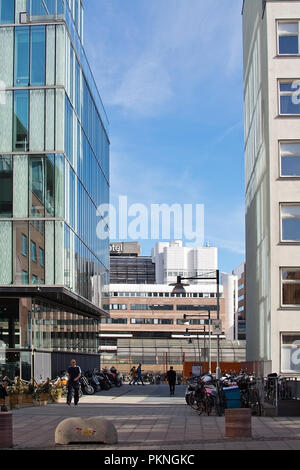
(289, 408)
(268, 410)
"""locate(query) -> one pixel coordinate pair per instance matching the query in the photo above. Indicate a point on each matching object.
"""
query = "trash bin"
(233, 397)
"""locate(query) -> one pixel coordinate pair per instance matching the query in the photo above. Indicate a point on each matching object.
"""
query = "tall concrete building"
(172, 259)
(271, 41)
(54, 173)
(240, 323)
(149, 323)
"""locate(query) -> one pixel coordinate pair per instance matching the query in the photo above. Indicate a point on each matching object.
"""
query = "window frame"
(286, 93)
(281, 205)
(281, 270)
(287, 333)
(22, 245)
(287, 21)
(286, 142)
(33, 245)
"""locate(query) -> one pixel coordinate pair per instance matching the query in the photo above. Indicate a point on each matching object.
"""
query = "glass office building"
(54, 173)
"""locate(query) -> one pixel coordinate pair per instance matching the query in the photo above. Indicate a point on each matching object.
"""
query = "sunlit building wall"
(54, 173)
(271, 31)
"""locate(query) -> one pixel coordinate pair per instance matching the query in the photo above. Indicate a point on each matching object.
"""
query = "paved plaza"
(147, 418)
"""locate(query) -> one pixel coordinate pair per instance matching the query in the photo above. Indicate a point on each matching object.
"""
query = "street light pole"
(179, 289)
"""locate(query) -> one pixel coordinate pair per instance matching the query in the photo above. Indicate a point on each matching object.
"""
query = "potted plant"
(56, 390)
(28, 392)
(15, 393)
(42, 392)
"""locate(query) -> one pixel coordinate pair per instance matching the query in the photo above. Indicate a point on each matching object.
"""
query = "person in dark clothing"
(74, 374)
(171, 376)
(139, 375)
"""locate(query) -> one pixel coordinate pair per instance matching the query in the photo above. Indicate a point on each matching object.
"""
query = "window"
(38, 55)
(7, 12)
(34, 279)
(289, 97)
(24, 245)
(22, 56)
(21, 121)
(290, 222)
(6, 186)
(288, 38)
(118, 307)
(290, 352)
(30, 55)
(33, 251)
(114, 321)
(42, 257)
(290, 286)
(290, 159)
(24, 277)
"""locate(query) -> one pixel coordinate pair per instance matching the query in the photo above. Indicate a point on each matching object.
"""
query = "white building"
(172, 259)
(271, 38)
(230, 289)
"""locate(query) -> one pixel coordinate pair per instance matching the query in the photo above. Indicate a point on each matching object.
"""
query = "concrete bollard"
(6, 430)
(238, 422)
(90, 430)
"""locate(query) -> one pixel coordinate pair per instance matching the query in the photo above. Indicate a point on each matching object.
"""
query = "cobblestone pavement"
(148, 418)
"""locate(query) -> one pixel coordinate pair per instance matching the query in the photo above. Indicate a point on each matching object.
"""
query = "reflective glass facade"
(54, 156)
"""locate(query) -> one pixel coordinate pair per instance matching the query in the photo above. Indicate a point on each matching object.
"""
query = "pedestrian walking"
(139, 375)
(133, 375)
(171, 376)
(74, 374)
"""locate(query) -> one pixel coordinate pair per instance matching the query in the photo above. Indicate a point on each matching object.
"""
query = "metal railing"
(280, 388)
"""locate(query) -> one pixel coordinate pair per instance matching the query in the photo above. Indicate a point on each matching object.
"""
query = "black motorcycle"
(86, 386)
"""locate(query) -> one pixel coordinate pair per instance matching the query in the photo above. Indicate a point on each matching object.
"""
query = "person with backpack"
(133, 375)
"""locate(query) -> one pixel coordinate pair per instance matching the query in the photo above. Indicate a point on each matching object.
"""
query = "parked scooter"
(115, 377)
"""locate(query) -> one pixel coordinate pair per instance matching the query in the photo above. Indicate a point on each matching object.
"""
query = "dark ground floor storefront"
(39, 338)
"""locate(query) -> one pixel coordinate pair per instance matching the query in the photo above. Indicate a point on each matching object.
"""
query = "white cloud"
(175, 45)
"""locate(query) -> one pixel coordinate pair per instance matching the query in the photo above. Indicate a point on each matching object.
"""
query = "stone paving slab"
(150, 420)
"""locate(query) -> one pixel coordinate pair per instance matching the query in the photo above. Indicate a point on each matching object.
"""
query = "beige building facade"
(271, 32)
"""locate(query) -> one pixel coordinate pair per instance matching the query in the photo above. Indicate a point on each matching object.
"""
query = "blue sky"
(170, 76)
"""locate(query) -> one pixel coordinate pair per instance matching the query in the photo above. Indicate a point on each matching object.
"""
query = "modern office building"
(54, 173)
(240, 273)
(152, 325)
(149, 323)
(271, 31)
(172, 259)
(230, 290)
(127, 266)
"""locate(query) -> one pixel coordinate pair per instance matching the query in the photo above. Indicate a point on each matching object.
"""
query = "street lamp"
(205, 317)
(179, 288)
(199, 351)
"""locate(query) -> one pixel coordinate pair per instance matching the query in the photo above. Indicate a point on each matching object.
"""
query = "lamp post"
(185, 316)
(179, 288)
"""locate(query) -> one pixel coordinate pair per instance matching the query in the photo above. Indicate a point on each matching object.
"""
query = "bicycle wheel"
(201, 406)
(256, 404)
(209, 403)
(191, 399)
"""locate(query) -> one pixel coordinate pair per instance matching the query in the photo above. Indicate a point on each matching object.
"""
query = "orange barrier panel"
(226, 367)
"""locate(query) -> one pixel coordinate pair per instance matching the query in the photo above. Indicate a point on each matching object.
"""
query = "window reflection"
(21, 114)
(38, 55)
(6, 186)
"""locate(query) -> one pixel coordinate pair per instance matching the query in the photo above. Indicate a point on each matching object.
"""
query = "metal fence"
(275, 389)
